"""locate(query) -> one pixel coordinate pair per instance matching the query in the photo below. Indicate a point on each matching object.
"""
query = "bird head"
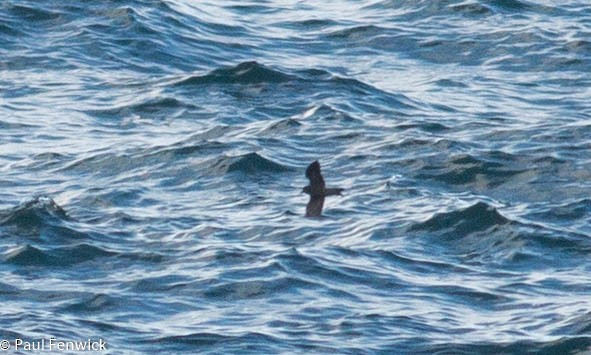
(307, 190)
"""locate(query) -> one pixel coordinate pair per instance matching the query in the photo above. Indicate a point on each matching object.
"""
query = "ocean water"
(153, 152)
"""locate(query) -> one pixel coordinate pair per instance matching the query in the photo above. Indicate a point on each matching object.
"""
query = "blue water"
(153, 153)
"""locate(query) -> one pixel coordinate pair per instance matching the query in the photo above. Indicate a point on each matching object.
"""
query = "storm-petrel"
(317, 191)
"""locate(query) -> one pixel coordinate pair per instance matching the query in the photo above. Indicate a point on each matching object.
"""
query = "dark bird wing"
(333, 191)
(314, 207)
(313, 173)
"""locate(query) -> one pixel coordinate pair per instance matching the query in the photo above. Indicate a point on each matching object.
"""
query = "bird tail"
(330, 192)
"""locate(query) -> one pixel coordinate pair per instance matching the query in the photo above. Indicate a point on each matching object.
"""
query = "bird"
(317, 190)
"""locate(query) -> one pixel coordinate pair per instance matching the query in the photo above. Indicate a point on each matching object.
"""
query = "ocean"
(153, 155)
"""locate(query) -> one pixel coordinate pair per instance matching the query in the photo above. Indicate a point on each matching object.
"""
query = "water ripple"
(153, 157)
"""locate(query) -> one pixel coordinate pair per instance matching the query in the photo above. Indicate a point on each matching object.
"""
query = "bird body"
(317, 190)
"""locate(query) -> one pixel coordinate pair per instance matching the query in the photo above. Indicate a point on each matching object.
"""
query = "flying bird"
(317, 190)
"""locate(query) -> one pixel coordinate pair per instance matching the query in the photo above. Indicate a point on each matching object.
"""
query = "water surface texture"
(153, 153)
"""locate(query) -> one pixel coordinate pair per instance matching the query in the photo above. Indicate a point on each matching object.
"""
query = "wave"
(29, 255)
(477, 217)
(426, 126)
(329, 113)
(510, 5)
(357, 33)
(566, 345)
(234, 343)
(565, 213)
(34, 214)
(477, 234)
(480, 233)
(472, 9)
(144, 160)
(489, 169)
(159, 284)
(250, 163)
(13, 125)
(242, 290)
(321, 270)
(187, 148)
(162, 107)
(243, 73)
(94, 303)
(281, 126)
(29, 14)
(104, 164)
(317, 81)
